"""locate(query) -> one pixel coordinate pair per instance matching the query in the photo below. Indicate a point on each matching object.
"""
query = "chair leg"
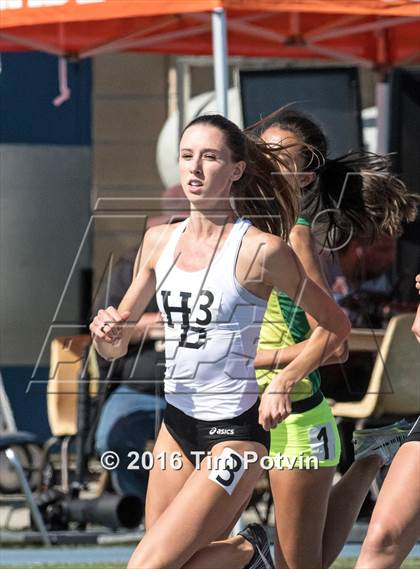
(376, 485)
(39, 522)
(46, 452)
(360, 423)
(65, 468)
(375, 489)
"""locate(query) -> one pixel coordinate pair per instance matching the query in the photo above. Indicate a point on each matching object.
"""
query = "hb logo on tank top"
(192, 316)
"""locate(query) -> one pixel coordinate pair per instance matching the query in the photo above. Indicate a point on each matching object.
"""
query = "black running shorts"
(198, 435)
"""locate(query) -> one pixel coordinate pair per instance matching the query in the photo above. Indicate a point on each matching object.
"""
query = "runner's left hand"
(275, 405)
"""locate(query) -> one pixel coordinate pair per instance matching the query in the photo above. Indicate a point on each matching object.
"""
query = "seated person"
(132, 411)
(359, 277)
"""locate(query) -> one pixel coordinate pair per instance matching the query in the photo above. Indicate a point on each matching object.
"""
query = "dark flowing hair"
(353, 194)
(263, 194)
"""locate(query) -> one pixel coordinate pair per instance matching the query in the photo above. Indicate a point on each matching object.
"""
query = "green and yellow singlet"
(285, 324)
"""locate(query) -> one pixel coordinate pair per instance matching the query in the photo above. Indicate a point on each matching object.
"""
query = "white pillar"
(382, 95)
(220, 59)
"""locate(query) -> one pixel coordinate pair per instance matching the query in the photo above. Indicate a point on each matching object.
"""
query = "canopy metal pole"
(183, 89)
(220, 57)
(383, 105)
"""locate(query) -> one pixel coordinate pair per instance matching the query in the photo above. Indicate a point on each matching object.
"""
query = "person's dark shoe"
(255, 534)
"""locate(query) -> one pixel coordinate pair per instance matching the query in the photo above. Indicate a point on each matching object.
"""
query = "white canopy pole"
(220, 58)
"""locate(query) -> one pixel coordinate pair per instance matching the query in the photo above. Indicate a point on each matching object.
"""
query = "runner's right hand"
(108, 324)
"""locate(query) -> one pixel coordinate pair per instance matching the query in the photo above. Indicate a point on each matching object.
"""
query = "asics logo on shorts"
(216, 431)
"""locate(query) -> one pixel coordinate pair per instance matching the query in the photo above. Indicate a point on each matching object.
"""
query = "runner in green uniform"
(313, 517)
(310, 430)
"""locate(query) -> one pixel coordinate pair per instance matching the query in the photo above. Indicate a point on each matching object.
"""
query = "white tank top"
(212, 326)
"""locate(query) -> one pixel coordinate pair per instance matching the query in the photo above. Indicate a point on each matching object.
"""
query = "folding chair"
(394, 386)
(66, 359)
(9, 439)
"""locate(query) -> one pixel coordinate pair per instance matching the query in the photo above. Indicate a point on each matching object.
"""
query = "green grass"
(349, 563)
(69, 566)
(412, 563)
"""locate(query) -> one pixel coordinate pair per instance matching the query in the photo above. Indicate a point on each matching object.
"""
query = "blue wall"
(28, 85)
(45, 183)
(29, 407)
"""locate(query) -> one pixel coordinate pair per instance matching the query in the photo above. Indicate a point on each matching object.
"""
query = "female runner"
(213, 275)
(395, 524)
(359, 198)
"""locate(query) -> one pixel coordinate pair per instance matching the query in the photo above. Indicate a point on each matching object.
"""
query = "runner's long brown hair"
(355, 190)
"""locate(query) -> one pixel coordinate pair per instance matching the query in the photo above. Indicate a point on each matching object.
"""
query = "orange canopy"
(384, 32)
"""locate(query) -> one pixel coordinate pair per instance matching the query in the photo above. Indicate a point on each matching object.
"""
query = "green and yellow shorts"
(307, 439)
